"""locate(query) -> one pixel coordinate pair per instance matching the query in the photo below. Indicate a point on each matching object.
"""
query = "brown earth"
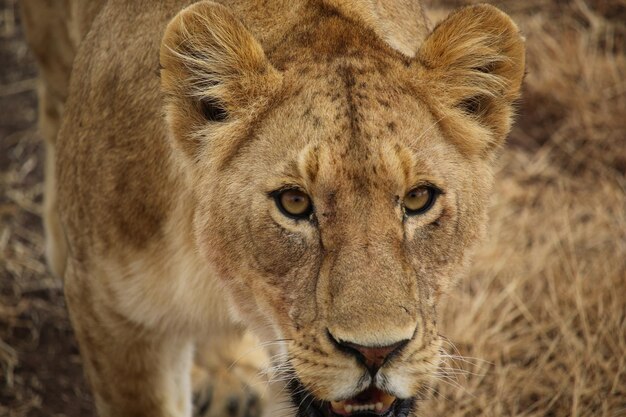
(539, 326)
(41, 372)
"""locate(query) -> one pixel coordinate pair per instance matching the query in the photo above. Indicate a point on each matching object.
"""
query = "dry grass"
(542, 317)
(539, 326)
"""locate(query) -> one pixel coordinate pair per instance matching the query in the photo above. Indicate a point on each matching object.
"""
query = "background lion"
(545, 305)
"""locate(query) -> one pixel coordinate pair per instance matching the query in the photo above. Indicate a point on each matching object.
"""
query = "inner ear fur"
(213, 71)
(473, 63)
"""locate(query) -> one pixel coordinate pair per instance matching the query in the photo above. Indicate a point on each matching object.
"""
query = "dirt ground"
(41, 373)
(539, 326)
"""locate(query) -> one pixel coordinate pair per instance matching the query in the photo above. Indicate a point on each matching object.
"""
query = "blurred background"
(539, 326)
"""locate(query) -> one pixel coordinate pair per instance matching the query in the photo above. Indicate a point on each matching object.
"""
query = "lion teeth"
(381, 403)
(340, 407)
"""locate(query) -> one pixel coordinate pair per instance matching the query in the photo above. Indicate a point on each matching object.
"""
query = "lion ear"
(473, 62)
(213, 72)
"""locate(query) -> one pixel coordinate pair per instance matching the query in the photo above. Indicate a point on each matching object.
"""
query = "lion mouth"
(369, 403)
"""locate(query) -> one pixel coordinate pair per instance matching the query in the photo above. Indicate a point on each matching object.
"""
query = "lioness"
(314, 171)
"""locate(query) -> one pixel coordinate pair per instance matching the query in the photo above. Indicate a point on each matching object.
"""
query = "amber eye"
(419, 200)
(294, 203)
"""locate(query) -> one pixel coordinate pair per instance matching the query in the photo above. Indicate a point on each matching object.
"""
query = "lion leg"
(44, 21)
(228, 376)
(56, 245)
(53, 32)
(133, 371)
(50, 114)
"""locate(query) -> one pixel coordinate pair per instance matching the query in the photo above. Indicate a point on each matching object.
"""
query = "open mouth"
(369, 403)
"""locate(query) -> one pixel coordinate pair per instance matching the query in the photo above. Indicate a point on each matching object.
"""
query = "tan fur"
(171, 229)
(67, 22)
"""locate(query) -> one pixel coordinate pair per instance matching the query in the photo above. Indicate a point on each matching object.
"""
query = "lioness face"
(341, 220)
(342, 196)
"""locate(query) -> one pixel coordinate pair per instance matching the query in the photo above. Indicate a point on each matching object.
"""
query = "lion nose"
(373, 357)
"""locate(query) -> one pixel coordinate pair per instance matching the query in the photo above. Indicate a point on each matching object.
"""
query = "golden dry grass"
(542, 316)
(539, 326)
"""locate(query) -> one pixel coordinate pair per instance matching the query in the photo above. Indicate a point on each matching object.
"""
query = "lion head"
(340, 183)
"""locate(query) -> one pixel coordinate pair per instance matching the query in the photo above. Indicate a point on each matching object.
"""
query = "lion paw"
(228, 378)
(224, 392)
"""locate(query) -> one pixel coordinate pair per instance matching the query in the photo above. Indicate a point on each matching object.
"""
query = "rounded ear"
(473, 65)
(213, 72)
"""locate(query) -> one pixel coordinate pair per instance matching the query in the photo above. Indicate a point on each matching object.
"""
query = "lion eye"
(419, 200)
(294, 203)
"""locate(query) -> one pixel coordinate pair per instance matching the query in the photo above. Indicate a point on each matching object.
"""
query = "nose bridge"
(372, 296)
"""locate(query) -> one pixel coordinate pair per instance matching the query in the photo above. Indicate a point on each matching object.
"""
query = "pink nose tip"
(374, 357)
